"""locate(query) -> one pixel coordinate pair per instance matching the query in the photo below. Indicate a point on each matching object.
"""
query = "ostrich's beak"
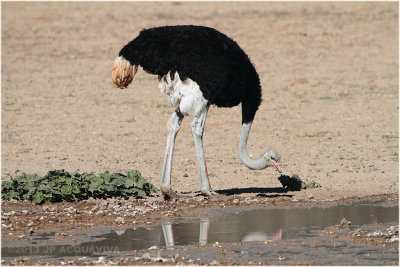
(122, 72)
(276, 165)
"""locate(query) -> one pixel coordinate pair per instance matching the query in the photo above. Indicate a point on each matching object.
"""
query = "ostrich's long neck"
(257, 164)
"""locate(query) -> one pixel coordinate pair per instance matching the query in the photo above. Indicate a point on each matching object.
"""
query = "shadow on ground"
(260, 191)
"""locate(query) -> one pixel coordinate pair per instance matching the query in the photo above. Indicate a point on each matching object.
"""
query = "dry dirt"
(329, 73)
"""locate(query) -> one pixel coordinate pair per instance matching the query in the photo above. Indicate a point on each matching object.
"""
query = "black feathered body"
(214, 61)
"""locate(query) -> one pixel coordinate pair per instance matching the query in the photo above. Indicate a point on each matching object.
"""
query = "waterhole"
(291, 226)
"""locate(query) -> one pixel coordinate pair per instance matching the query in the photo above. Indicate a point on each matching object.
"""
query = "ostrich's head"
(122, 72)
(273, 157)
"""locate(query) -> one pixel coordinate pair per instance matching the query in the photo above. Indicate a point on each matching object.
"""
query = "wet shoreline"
(82, 245)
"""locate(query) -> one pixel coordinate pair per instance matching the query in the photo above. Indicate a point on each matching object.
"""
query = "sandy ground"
(329, 73)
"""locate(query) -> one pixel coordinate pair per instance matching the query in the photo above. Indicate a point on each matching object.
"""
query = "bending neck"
(257, 164)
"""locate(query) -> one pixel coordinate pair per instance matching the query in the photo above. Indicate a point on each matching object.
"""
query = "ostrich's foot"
(210, 194)
(169, 194)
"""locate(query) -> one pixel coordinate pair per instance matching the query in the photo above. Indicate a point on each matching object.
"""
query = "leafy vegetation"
(294, 183)
(59, 185)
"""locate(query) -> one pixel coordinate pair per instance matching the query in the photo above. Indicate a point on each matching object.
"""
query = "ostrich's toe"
(169, 194)
(210, 193)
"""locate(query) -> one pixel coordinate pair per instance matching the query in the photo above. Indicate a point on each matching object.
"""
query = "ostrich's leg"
(168, 234)
(204, 229)
(197, 131)
(174, 125)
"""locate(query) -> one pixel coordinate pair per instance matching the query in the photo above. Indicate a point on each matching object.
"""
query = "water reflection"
(242, 226)
(273, 224)
(204, 234)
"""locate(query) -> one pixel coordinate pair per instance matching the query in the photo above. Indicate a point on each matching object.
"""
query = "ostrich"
(197, 67)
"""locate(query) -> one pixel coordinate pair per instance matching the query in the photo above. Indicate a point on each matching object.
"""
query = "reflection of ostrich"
(196, 66)
(204, 234)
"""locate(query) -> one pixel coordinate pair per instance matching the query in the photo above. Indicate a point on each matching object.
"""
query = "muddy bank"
(345, 242)
(22, 218)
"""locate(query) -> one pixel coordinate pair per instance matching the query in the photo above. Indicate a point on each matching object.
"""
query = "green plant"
(389, 137)
(59, 185)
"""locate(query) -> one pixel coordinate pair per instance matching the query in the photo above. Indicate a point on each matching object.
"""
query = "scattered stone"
(11, 213)
(120, 220)
(119, 232)
(140, 208)
(375, 234)
(393, 230)
(100, 260)
(281, 258)
(216, 244)
(214, 262)
(61, 234)
(153, 247)
(6, 226)
(358, 232)
(160, 259)
(146, 257)
(344, 223)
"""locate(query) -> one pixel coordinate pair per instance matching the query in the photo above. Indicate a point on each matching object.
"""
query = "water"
(280, 224)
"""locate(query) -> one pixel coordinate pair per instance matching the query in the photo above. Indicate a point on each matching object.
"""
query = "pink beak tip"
(276, 165)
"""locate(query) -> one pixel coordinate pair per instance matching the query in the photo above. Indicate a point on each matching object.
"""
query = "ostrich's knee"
(174, 124)
(197, 129)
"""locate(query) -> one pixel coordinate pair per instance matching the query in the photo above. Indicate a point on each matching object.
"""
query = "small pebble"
(120, 220)
(146, 256)
(214, 262)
